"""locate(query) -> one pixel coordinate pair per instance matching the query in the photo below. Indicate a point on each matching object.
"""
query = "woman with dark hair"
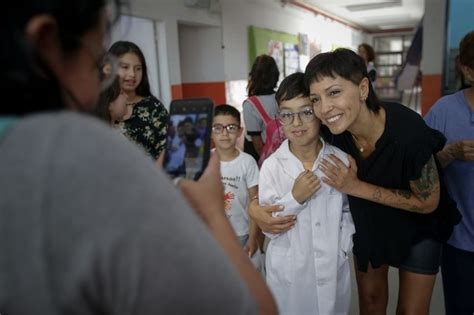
(368, 54)
(148, 122)
(89, 224)
(263, 79)
(400, 208)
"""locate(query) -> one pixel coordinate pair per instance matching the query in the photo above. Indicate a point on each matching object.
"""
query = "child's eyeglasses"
(287, 117)
(231, 128)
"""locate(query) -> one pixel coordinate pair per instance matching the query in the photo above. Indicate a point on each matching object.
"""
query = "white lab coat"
(307, 267)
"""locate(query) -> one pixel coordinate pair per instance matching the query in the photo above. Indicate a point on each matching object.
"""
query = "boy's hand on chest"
(305, 186)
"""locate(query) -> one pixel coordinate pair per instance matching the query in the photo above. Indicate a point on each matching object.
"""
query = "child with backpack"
(239, 174)
(263, 79)
(274, 134)
(307, 267)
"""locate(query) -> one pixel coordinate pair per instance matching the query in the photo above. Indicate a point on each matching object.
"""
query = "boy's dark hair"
(292, 86)
(370, 51)
(263, 76)
(121, 48)
(225, 109)
(344, 63)
(466, 50)
(106, 97)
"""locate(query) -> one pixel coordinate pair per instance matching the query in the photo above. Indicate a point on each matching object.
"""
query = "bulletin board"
(283, 47)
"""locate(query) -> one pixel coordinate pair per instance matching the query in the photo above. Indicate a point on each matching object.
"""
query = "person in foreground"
(453, 115)
(400, 208)
(307, 267)
(89, 224)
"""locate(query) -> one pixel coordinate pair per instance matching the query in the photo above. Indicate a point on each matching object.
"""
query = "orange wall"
(431, 91)
(213, 90)
(176, 91)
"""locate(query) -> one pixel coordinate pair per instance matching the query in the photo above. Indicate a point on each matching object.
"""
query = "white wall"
(233, 21)
(201, 55)
(169, 13)
(434, 36)
(237, 16)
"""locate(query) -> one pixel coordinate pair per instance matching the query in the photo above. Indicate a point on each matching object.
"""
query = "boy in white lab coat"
(307, 267)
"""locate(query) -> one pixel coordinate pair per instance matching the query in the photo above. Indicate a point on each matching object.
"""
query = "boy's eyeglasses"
(287, 117)
(231, 128)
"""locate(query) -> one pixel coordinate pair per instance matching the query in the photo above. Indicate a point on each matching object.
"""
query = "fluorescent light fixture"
(374, 6)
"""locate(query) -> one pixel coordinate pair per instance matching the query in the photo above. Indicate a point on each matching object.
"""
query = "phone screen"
(189, 138)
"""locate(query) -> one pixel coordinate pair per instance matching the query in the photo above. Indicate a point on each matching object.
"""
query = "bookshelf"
(390, 54)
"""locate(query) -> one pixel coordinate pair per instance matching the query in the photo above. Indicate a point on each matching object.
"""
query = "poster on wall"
(303, 44)
(315, 47)
(265, 41)
(275, 49)
(292, 59)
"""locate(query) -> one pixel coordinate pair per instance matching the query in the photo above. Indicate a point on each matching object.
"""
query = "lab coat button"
(317, 224)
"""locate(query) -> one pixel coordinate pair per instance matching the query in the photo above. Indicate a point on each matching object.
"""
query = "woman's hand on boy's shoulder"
(339, 175)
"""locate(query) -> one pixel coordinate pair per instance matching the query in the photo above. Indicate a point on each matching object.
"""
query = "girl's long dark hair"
(263, 76)
(106, 97)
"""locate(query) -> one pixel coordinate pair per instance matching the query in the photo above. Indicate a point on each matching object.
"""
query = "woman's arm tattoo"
(421, 190)
(428, 182)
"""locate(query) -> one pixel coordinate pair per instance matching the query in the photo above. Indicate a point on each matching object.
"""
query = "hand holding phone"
(189, 138)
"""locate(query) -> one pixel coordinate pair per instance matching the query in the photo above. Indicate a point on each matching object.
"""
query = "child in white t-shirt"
(307, 267)
(239, 173)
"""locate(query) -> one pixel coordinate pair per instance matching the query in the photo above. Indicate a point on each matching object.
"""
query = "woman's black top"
(384, 234)
(147, 126)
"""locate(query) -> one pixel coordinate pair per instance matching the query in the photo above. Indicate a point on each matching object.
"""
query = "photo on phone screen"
(189, 138)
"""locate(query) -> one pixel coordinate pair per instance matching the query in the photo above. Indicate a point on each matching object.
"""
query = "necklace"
(358, 145)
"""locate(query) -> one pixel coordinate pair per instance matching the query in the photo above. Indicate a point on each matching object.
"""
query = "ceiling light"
(374, 6)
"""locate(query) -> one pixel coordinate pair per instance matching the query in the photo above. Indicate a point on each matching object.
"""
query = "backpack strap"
(255, 101)
(5, 123)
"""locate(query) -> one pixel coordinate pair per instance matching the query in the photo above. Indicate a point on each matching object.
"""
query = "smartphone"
(188, 141)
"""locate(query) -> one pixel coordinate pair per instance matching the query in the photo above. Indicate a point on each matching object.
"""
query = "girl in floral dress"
(148, 120)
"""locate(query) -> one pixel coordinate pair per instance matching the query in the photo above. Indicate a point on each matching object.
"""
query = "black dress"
(384, 234)
(147, 126)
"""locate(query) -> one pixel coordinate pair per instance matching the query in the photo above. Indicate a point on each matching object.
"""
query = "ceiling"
(373, 15)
